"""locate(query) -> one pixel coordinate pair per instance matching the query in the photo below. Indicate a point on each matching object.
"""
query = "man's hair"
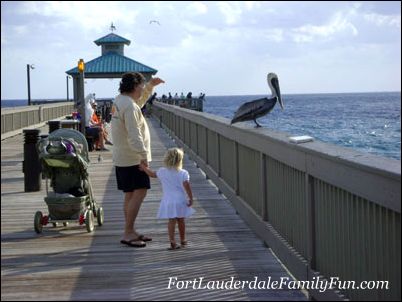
(130, 81)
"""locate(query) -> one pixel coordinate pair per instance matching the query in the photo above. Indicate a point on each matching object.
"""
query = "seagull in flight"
(154, 21)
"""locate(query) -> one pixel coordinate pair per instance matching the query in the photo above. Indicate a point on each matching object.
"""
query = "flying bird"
(154, 21)
(257, 108)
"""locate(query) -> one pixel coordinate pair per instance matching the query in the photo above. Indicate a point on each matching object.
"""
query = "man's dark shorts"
(132, 178)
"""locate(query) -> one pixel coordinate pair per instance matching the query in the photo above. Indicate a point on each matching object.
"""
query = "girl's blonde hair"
(174, 158)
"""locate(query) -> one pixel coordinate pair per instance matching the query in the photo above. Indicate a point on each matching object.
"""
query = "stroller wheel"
(99, 216)
(89, 221)
(38, 222)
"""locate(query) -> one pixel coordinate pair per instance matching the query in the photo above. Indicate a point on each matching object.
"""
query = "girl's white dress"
(174, 199)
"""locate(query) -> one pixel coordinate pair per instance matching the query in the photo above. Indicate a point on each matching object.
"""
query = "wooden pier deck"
(67, 263)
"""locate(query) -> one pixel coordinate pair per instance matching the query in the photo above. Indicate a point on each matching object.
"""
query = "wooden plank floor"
(67, 263)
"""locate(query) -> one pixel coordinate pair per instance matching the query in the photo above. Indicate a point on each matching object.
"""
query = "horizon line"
(218, 95)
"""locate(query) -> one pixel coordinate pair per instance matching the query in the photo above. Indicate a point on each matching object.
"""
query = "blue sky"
(220, 48)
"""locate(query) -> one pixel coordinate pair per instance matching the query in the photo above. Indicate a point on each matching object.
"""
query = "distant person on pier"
(170, 96)
(175, 205)
(132, 147)
(95, 122)
(147, 108)
(91, 129)
(189, 95)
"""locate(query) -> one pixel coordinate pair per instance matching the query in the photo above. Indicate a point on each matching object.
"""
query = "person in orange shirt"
(96, 123)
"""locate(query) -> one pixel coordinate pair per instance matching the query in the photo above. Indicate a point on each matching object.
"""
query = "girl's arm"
(147, 170)
(187, 187)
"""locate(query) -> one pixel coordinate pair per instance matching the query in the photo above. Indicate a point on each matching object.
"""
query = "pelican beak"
(280, 101)
(275, 85)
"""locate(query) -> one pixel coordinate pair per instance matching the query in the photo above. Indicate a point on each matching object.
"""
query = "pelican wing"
(249, 110)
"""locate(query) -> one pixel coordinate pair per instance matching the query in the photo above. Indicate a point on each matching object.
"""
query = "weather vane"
(112, 27)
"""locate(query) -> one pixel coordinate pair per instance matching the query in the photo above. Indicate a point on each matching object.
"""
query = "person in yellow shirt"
(132, 147)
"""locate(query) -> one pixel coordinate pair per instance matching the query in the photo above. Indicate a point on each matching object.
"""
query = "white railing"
(13, 120)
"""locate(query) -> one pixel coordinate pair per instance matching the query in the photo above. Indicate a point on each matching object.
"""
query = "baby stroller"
(64, 158)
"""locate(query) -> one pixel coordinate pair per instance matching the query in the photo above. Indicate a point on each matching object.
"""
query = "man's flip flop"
(173, 246)
(144, 238)
(133, 243)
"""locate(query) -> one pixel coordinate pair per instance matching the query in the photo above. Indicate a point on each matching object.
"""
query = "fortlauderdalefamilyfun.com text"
(284, 283)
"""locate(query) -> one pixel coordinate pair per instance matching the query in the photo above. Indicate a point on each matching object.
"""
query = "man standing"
(132, 146)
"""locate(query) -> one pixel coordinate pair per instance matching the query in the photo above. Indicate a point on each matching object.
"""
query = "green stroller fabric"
(65, 161)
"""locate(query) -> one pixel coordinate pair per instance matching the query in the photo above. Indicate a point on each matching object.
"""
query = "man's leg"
(132, 205)
(127, 197)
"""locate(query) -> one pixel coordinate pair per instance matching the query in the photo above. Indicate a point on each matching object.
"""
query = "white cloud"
(198, 8)
(275, 34)
(250, 5)
(216, 47)
(231, 11)
(383, 20)
(20, 29)
(338, 24)
(89, 16)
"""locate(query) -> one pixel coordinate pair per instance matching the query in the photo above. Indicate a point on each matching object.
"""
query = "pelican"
(257, 108)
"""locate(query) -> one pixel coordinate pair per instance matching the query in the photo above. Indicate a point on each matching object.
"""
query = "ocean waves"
(368, 122)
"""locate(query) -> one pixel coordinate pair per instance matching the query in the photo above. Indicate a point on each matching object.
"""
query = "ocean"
(368, 122)
(23, 102)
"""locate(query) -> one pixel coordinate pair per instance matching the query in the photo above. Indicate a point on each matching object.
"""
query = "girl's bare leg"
(171, 229)
(182, 230)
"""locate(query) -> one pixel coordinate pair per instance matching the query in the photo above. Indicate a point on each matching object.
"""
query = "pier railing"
(326, 211)
(16, 118)
(188, 103)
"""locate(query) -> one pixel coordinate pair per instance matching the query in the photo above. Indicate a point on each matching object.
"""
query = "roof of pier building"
(112, 38)
(112, 63)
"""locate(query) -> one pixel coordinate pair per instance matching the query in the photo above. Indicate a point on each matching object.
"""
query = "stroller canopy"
(73, 136)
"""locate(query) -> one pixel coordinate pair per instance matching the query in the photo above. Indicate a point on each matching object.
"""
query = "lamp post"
(68, 98)
(81, 100)
(29, 67)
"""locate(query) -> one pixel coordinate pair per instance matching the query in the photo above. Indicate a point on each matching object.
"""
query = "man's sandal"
(133, 243)
(144, 238)
(173, 246)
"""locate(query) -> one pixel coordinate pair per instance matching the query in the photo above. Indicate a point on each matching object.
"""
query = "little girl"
(175, 184)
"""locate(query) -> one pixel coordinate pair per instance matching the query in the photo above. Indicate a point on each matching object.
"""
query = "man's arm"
(148, 90)
(147, 170)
